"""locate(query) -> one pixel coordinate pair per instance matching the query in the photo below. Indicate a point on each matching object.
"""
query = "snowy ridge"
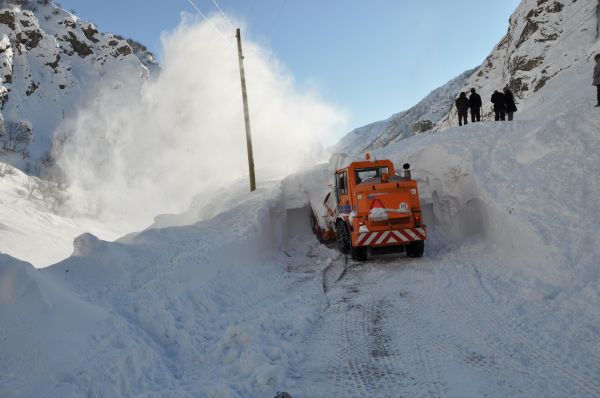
(420, 118)
(50, 62)
(544, 39)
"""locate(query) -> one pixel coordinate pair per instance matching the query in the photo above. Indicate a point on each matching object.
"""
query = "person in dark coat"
(499, 107)
(475, 106)
(509, 103)
(597, 77)
(462, 105)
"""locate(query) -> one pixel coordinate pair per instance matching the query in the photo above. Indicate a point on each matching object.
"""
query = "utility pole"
(246, 112)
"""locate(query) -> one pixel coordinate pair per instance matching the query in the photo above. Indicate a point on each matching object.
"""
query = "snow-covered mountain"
(545, 38)
(50, 62)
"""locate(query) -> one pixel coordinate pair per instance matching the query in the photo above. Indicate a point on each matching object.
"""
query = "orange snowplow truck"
(376, 209)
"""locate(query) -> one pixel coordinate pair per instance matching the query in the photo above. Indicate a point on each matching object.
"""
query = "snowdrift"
(31, 229)
(201, 310)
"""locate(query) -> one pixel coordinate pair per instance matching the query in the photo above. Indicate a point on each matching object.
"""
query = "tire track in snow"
(386, 329)
(440, 328)
(408, 304)
(511, 346)
(378, 337)
(516, 334)
(374, 352)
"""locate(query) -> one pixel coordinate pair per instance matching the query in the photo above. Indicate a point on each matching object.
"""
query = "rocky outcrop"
(50, 61)
(422, 126)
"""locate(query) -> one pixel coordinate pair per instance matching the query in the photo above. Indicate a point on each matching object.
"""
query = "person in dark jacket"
(509, 103)
(462, 105)
(597, 77)
(475, 106)
(499, 107)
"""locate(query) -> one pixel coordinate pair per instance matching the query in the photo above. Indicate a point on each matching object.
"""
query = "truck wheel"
(359, 253)
(415, 249)
(342, 236)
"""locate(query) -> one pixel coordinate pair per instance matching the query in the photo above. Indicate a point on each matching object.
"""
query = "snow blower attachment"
(370, 207)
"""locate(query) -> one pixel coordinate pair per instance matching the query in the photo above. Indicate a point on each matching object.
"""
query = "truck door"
(341, 185)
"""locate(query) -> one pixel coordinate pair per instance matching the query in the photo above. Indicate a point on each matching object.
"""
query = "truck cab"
(377, 209)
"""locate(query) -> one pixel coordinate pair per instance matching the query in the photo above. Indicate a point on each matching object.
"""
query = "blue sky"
(371, 58)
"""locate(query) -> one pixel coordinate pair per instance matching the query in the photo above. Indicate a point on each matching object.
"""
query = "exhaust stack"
(406, 168)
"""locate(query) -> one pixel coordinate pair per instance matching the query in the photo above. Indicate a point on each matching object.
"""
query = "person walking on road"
(597, 77)
(475, 106)
(462, 105)
(499, 107)
(509, 103)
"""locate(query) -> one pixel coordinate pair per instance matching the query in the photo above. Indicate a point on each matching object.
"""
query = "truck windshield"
(366, 173)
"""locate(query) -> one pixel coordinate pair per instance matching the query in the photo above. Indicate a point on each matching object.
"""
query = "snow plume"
(137, 153)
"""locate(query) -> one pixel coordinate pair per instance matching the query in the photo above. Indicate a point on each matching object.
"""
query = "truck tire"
(415, 249)
(342, 237)
(359, 253)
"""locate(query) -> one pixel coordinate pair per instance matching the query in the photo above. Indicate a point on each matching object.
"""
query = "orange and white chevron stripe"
(387, 238)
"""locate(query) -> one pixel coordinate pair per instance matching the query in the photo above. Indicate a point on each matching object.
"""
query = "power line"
(209, 21)
(222, 13)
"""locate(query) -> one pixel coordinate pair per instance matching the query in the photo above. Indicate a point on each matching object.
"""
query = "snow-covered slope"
(50, 62)
(31, 228)
(421, 117)
(545, 39)
(205, 310)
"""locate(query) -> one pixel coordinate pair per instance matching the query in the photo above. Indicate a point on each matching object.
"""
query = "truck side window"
(341, 186)
(343, 183)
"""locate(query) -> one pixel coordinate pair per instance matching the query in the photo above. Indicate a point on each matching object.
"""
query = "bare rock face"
(422, 126)
(544, 38)
(51, 61)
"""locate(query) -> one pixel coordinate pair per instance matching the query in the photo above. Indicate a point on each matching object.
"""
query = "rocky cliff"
(50, 62)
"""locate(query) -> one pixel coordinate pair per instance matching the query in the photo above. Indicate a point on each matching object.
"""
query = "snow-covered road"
(437, 327)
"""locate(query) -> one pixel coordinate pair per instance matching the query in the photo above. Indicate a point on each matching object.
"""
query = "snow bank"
(525, 188)
(201, 310)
